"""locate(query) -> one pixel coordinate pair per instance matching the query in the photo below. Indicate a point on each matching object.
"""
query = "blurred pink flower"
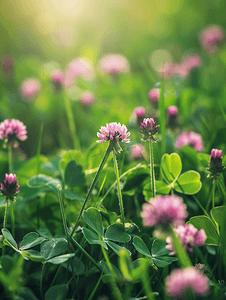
(210, 37)
(10, 187)
(182, 280)
(153, 94)
(167, 70)
(163, 211)
(172, 111)
(12, 130)
(30, 88)
(139, 112)
(189, 236)
(148, 128)
(191, 62)
(114, 64)
(57, 78)
(172, 116)
(7, 66)
(113, 132)
(190, 139)
(87, 98)
(137, 151)
(78, 67)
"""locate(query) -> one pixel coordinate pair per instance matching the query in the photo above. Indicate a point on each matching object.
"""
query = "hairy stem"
(119, 188)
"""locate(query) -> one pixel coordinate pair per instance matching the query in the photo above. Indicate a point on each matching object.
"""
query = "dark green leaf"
(30, 240)
(159, 248)
(39, 181)
(163, 261)
(57, 292)
(140, 246)
(92, 237)
(93, 218)
(60, 259)
(117, 233)
(202, 222)
(9, 240)
(116, 248)
(73, 196)
(25, 294)
(74, 175)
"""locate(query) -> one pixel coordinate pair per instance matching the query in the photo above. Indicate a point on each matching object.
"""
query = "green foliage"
(160, 255)
(114, 233)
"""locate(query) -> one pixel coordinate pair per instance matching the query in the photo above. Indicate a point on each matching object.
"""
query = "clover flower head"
(190, 139)
(114, 64)
(7, 65)
(10, 187)
(192, 61)
(139, 112)
(163, 211)
(172, 116)
(189, 236)
(137, 151)
(80, 67)
(215, 164)
(57, 78)
(30, 88)
(114, 132)
(87, 98)
(154, 94)
(210, 37)
(181, 281)
(12, 130)
(148, 128)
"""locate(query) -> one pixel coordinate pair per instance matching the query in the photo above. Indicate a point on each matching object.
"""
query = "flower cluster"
(114, 132)
(215, 164)
(154, 94)
(182, 281)
(87, 98)
(172, 116)
(189, 236)
(10, 187)
(30, 88)
(183, 69)
(148, 128)
(114, 64)
(163, 211)
(137, 151)
(78, 68)
(57, 78)
(190, 139)
(210, 37)
(139, 112)
(11, 130)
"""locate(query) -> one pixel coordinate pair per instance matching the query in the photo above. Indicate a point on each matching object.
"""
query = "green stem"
(12, 218)
(152, 170)
(221, 187)
(112, 186)
(39, 147)
(162, 118)
(119, 188)
(213, 193)
(145, 282)
(95, 288)
(200, 205)
(83, 251)
(57, 272)
(6, 214)
(108, 151)
(63, 214)
(181, 253)
(71, 122)
(10, 158)
(41, 278)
